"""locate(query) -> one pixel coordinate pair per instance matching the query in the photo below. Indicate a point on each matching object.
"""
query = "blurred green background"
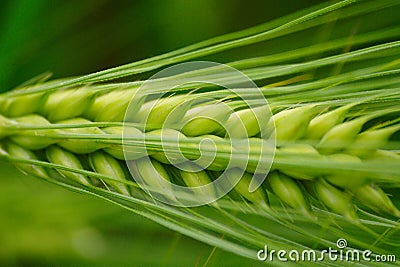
(41, 224)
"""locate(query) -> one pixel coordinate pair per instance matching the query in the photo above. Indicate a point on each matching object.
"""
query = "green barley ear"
(385, 157)
(336, 200)
(289, 192)
(341, 136)
(301, 151)
(258, 197)
(153, 174)
(66, 104)
(247, 122)
(4, 123)
(156, 113)
(369, 80)
(112, 106)
(80, 146)
(168, 134)
(17, 151)
(345, 178)
(34, 139)
(198, 179)
(373, 197)
(260, 149)
(124, 152)
(366, 143)
(21, 105)
(65, 158)
(203, 119)
(109, 166)
(216, 144)
(291, 124)
(321, 124)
